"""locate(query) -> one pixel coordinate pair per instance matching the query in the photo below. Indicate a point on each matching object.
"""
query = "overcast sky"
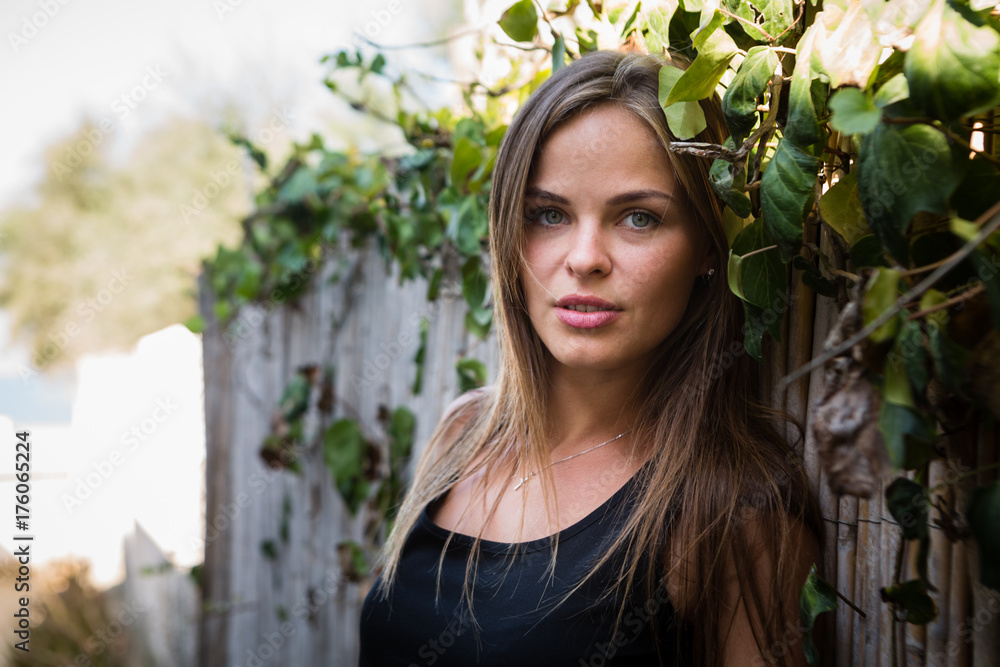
(186, 56)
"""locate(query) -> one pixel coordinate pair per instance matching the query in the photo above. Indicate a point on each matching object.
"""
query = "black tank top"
(515, 603)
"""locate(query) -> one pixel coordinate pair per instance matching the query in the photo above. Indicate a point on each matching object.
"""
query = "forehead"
(604, 145)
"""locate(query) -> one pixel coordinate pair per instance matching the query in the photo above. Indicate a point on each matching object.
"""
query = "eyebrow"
(617, 200)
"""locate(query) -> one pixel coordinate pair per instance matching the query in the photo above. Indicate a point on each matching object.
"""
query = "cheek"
(668, 284)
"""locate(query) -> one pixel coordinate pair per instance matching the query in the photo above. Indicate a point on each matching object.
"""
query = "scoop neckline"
(537, 544)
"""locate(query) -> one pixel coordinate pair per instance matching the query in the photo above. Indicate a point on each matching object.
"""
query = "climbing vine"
(861, 162)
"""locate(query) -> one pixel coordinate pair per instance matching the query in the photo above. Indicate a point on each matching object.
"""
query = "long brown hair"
(722, 487)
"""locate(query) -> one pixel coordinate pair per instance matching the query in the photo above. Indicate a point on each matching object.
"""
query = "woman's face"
(611, 249)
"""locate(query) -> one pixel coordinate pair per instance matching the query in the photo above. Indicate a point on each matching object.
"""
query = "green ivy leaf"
(933, 297)
(739, 104)
(813, 278)
(478, 322)
(984, 517)
(909, 435)
(558, 53)
(344, 450)
(909, 352)
(301, 184)
(420, 356)
(867, 251)
(760, 278)
(912, 597)
(720, 175)
(840, 207)
(734, 275)
(897, 385)
(787, 194)
(471, 374)
(685, 119)
(757, 321)
(802, 128)
(587, 40)
(892, 91)
(466, 158)
(908, 502)
(778, 15)
(710, 20)
(948, 358)
(195, 324)
(817, 597)
(474, 282)
(700, 79)
(953, 67)
(904, 169)
(520, 21)
(850, 49)
(745, 11)
(223, 310)
(256, 154)
(853, 112)
(401, 427)
(657, 24)
(626, 19)
(353, 562)
(881, 292)
(467, 222)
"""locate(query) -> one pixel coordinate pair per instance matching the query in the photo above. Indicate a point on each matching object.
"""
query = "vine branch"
(993, 218)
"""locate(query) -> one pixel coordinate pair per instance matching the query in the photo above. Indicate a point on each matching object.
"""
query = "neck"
(588, 407)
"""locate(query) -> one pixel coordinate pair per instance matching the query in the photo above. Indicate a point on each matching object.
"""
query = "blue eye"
(547, 217)
(640, 219)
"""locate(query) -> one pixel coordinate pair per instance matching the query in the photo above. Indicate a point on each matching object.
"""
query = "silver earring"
(707, 277)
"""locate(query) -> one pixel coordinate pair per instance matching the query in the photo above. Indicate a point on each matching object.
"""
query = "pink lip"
(580, 320)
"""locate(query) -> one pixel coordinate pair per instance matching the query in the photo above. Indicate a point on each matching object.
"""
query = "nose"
(588, 253)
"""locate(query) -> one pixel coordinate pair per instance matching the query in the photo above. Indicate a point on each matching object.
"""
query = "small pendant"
(523, 480)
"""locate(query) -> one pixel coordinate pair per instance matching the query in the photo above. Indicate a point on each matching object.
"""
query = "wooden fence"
(288, 604)
(261, 590)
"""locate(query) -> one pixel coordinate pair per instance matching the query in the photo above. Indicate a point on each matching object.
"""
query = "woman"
(617, 497)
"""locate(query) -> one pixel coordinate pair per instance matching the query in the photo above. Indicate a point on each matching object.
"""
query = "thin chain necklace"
(532, 473)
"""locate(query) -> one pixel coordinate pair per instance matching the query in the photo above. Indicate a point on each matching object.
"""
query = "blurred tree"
(73, 623)
(110, 253)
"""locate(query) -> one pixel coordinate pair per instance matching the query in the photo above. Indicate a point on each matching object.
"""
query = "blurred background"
(119, 175)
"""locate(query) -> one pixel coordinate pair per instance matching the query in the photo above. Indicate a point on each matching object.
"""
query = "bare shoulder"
(458, 409)
(458, 413)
